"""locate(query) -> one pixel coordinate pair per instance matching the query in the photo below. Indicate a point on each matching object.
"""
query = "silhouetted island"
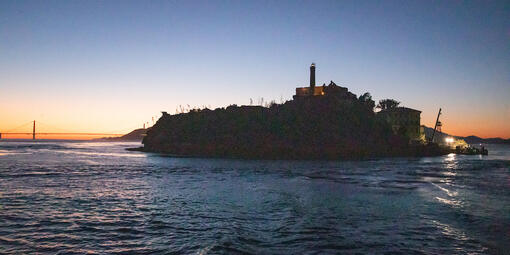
(321, 122)
(133, 136)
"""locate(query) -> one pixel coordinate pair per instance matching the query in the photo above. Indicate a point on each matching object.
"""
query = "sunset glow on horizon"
(111, 67)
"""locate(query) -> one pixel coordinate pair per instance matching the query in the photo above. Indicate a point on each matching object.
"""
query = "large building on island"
(329, 90)
(402, 120)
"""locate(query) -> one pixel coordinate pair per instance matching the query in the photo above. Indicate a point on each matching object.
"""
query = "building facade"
(330, 90)
(404, 121)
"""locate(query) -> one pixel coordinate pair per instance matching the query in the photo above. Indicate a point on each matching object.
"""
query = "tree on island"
(388, 104)
(366, 99)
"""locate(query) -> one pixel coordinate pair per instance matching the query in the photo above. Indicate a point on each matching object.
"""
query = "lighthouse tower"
(312, 79)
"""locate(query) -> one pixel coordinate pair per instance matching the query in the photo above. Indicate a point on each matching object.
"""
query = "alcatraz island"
(321, 122)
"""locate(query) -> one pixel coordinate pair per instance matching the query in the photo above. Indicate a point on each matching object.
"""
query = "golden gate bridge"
(34, 133)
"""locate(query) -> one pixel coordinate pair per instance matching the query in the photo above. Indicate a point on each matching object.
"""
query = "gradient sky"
(109, 66)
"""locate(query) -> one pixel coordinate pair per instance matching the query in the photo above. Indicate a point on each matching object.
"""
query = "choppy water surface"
(78, 197)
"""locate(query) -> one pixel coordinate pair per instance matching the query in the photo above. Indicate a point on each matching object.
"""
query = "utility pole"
(33, 132)
(435, 127)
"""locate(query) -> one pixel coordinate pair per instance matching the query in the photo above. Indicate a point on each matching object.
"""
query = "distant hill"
(476, 139)
(133, 136)
(469, 139)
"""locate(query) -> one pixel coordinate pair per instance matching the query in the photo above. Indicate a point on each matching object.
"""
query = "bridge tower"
(33, 132)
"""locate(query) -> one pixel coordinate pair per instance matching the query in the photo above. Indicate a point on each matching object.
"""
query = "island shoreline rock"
(431, 152)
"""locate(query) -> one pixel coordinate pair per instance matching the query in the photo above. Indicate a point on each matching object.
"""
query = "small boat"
(470, 150)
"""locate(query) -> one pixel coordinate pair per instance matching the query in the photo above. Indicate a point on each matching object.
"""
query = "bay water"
(75, 197)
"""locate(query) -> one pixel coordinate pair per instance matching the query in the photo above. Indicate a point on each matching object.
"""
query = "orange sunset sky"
(105, 67)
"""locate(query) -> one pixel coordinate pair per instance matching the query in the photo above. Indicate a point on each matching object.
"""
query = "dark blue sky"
(121, 62)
